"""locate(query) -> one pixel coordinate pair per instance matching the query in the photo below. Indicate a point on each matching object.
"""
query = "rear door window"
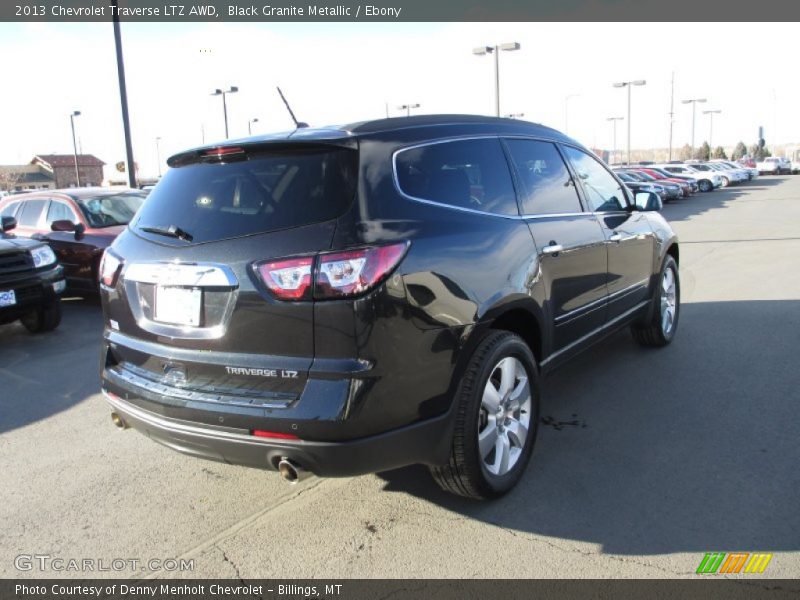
(547, 187)
(264, 192)
(471, 174)
(59, 211)
(31, 211)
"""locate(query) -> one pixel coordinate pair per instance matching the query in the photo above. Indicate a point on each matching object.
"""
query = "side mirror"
(62, 225)
(648, 201)
(9, 223)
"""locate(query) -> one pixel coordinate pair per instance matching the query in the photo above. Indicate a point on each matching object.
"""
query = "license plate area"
(8, 298)
(177, 305)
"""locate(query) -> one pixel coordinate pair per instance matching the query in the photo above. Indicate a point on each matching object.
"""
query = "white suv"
(707, 179)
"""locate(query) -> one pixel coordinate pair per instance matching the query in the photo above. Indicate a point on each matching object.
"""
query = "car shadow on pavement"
(692, 447)
(44, 374)
(684, 208)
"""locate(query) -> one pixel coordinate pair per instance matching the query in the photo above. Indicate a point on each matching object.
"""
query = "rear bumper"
(425, 442)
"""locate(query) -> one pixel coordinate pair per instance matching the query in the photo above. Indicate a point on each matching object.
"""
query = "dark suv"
(30, 281)
(354, 299)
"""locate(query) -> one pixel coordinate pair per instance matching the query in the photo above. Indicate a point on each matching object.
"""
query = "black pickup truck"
(30, 281)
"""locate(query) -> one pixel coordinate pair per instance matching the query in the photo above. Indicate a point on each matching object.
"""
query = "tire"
(725, 182)
(484, 475)
(45, 318)
(660, 330)
(705, 185)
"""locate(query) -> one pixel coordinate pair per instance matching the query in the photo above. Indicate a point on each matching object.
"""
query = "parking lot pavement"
(646, 459)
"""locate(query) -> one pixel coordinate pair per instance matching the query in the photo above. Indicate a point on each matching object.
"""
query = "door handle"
(615, 237)
(552, 248)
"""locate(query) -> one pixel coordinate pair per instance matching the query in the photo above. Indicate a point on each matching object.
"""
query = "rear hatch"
(189, 317)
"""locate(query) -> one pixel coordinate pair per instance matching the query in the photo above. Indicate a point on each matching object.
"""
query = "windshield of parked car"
(645, 176)
(111, 209)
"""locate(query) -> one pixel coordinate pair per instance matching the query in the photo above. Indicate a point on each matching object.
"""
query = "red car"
(686, 187)
(78, 223)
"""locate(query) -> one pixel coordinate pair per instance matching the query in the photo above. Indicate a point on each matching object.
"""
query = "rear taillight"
(335, 274)
(110, 266)
(355, 271)
(288, 279)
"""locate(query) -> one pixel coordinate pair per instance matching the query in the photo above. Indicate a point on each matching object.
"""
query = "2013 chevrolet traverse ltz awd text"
(353, 299)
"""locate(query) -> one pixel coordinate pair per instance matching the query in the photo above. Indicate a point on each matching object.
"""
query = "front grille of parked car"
(15, 262)
(28, 294)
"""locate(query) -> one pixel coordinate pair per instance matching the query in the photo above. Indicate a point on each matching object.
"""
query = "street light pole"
(566, 111)
(75, 113)
(123, 96)
(483, 50)
(158, 156)
(222, 93)
(693, 102)
(629, 84)
(407, 108)
(711, 114)
(614, 127)
(249, 123)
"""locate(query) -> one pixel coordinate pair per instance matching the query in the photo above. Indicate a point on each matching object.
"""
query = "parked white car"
(795, 167)
(707, 179)
(751, 172)
(772, 165)
(734, 175)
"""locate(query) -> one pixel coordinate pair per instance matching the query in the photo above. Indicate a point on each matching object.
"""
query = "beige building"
(62, 169)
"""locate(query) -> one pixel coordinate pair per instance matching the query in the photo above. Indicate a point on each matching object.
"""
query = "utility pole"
(123, 97)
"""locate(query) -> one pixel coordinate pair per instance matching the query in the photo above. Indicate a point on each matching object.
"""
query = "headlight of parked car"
(43, 256)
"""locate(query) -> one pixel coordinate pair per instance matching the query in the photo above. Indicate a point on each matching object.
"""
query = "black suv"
(349, 300)
(30, 281)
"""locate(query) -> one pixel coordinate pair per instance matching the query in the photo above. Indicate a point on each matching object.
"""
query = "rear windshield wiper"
(172, 231)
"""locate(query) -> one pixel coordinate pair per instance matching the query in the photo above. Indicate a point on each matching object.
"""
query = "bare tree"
(9, 178)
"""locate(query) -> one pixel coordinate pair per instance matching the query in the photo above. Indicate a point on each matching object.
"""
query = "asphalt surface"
(647, 458)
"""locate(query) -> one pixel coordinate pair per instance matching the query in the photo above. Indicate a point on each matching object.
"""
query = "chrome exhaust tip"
(119, 423)
(292, 472)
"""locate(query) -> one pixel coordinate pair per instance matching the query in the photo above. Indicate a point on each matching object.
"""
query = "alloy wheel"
(505, 416)
(669, 305)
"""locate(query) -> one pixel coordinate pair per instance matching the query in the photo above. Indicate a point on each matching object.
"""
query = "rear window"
(265, 192)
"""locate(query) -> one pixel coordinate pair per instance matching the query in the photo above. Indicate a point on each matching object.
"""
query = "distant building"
(25, 177)
(62, 169)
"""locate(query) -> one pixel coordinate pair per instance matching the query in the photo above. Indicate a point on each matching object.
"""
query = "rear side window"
(28, 215)
(265, 192)
(469, 174)
(547, 187)
(9, 210)
(59, 211)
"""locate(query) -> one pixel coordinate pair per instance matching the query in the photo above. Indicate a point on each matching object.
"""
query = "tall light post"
(482, 51)
(224, 93)
(249, 125)
(75, 113)
(407, 108)
(566, 111)
(614, 128)
(711, 114)
(629, 85)
(693, 102)
(158, 155)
